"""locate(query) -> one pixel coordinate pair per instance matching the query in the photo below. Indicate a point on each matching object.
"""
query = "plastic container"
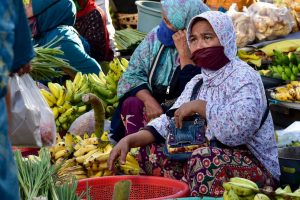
(289, 160)
(142, 187)
(149, 15)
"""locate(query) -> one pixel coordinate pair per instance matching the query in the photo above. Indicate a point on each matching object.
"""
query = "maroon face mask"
(212, 58)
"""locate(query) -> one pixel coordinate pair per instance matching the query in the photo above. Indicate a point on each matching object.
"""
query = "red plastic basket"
(27, 151)
(142, 187)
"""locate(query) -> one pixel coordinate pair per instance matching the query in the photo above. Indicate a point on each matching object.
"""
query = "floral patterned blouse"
(236, 102)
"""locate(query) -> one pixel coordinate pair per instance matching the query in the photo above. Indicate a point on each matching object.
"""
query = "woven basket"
(216, 4)
(127, 20)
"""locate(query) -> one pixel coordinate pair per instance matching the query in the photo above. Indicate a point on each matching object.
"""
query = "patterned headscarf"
(223, 27)
(180, 12)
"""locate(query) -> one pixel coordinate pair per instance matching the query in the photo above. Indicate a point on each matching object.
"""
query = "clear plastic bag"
(244, 27)
(32, 120)
(271, 21)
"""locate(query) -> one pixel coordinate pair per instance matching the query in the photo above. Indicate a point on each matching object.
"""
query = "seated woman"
(158, 70)
(233, 102)
(91, 24)
(54, 19)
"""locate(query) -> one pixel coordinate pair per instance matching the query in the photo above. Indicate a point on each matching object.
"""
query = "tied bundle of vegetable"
(47, 64)
(128, 38)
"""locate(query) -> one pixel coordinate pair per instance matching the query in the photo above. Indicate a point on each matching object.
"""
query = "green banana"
(240, 189)
(70, 90)
(243, 181)
(260, 196)
(77, 81)
(232, 195)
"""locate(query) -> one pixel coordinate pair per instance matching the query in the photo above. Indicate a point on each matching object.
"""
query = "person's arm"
(182, 47)
(78, 58)
(23, 49)
(139, 139)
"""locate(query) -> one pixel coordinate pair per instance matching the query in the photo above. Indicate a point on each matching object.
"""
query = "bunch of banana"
(62, 149)
(105, 86)
(290, 92)
(240, 188)
(131, 166)
(65, 101)
(286, 193)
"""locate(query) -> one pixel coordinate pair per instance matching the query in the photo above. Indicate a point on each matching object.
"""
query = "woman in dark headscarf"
(50, 19)
(91, 24)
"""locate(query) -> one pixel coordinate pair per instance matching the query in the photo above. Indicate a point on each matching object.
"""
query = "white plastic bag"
(289, 135)
(32, 120)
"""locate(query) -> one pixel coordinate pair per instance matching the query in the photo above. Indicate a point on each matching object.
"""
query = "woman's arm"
(139, 139)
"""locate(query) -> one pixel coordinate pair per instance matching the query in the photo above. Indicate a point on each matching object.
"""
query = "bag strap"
(265, 116)
(155, 63)
(196, 89)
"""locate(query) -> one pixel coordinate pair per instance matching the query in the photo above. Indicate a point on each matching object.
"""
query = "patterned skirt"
(207, 168)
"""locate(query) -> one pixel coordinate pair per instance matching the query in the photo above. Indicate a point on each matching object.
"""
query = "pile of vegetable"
(128, 38)
(37, 179)
(47, 64)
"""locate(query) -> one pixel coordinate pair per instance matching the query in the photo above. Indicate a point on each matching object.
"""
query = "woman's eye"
(207, 37)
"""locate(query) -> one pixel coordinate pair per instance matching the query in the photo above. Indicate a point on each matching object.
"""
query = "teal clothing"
(15, 50)
(179, 13)
(55, 19)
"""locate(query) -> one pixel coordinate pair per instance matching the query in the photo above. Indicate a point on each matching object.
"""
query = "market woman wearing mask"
(158, 70)
(231, 99)
(53, 20)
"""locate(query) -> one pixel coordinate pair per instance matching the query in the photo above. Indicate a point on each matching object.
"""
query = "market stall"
(268, 38)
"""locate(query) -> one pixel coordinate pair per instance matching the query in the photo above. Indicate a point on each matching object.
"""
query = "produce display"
(128, 38)
(286, 67)
(47, 64)
(289, 93)
(66, 101)
(37, 179)
(240, 188)
(270, 21)
(87, 157)
(244, 26)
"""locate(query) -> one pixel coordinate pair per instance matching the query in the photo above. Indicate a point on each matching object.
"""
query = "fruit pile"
(289, 93)
(240, 188)
(285, 67)
(66, 101)
(87, 157)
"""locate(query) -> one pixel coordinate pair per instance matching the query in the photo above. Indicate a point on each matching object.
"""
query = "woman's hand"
(152, 108)
(119, 151)
(189, 109)
(182, 47)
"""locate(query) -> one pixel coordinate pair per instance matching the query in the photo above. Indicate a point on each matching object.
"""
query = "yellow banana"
(70, 90)
(240, 189)
(79, 177)
(107, 172)
(62, 95)
(67, 105)
(124, 63)
(49, 97)
(82, 158)
(104, 136)
(58, 138)
(243, 181)
(76, 139)
(99, 174)
(84, 150)
(103, 157)
(55, 112)
(61, 109)
(89, 161)
(53, 89)
(225, 195)
(77, 81)
(59, 161)
(62, 153)
(53, 150)
(102, 77)
(82, 109)
(129, 170)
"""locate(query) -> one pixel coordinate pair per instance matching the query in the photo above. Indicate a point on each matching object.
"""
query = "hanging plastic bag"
(32, 120)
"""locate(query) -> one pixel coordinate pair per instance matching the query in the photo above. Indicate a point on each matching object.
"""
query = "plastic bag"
(32, 120)
(289, 135)
(244, 27)
(270, 21)
(86, 124)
